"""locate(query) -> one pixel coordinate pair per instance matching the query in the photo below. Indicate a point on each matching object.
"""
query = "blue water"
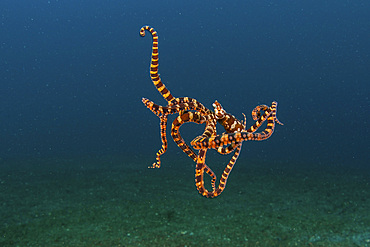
(73, 74)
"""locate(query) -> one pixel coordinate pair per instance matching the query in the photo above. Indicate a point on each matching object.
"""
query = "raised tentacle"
(154, 75)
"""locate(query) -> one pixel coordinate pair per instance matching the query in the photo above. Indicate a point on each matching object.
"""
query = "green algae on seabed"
(118, 202)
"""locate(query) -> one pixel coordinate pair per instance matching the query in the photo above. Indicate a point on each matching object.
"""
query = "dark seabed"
(76, 140)
(104, 202)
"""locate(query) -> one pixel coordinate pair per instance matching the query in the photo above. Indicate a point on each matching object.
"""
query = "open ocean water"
(76, 140)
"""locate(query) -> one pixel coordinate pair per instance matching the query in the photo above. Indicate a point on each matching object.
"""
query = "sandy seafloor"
(119, 202)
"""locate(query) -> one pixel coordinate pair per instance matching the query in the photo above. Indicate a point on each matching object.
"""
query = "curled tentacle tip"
(142, 30)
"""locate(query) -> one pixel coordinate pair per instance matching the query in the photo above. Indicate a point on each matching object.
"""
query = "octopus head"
(219, 111)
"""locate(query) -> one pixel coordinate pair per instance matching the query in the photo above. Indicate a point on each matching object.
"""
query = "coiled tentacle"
(232, 138)
(239, 136)
(200, 169)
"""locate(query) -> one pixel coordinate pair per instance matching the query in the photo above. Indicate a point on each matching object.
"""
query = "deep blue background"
(72, 74)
